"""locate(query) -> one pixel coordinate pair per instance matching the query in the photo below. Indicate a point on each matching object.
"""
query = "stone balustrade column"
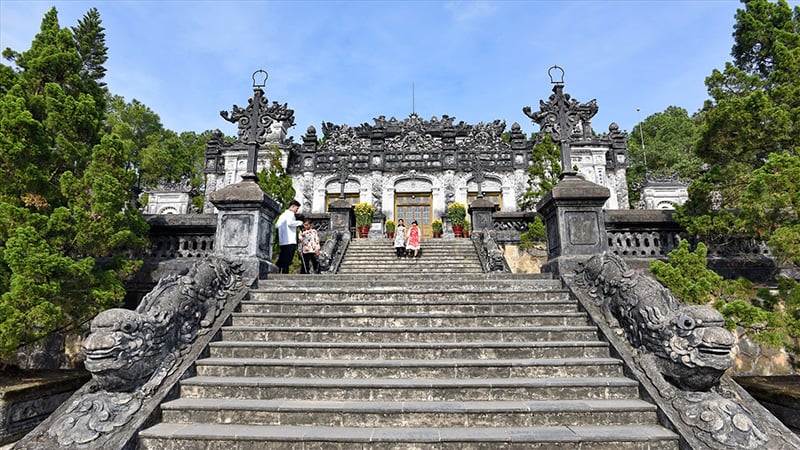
(342, 215)
(481, 213)
(245, 226)
(574, 217)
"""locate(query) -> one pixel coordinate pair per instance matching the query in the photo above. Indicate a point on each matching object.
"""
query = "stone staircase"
(377, 256)
(371, 358)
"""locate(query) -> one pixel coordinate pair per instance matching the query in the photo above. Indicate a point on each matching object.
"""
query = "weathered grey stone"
(135, 358)
(675, 350)
(573, 216)
(245, 227)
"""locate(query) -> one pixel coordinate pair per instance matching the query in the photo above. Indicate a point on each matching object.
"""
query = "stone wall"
(529, 260)
(752, 359)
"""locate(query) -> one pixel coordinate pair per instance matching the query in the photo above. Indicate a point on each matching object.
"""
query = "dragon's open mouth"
(102, 354)
(716, 350)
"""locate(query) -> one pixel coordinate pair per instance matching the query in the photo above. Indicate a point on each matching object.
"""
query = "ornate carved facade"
(413, 168)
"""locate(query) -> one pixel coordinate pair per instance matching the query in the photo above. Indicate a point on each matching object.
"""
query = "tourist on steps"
(287, 236)
(414, 238)
(400, 238)
(309, 248)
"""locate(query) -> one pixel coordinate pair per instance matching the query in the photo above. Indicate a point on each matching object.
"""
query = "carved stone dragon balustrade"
(680, 354)
(133, 356)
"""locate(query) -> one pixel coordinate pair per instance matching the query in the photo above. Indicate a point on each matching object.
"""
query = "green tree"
(770, 318)
(753, 116)
(543, 172)
(274, 180)
(278, 185)
(771, 205)
(157, 154)
(669, 138)
(65, 217)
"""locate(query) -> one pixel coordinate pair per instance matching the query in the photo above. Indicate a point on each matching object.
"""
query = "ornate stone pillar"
(342, 215)
(481, 212)
(573, 215)
(245, 226)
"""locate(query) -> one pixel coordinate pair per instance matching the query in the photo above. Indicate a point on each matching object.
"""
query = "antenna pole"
(413, 99)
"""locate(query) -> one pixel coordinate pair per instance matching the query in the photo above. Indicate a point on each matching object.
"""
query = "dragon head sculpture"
(693, 349)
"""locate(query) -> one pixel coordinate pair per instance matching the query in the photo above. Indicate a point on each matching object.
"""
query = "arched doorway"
(413, 201)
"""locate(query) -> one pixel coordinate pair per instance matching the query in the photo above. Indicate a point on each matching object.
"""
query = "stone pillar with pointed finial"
(246, 214)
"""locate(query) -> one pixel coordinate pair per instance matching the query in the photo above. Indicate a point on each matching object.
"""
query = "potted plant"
(364, 212)
(466, 228)
(390, 227)
(436, 226)
(457, 213)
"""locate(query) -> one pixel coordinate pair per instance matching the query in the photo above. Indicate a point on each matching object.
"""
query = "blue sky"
(348, 62)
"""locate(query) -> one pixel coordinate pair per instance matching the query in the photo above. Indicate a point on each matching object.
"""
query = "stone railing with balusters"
(509, 225)
(181, 236)
(646, 234)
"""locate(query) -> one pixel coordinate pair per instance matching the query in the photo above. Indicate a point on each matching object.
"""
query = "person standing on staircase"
(309, 248)
(400, 238)
(287, 236)
(414, 238)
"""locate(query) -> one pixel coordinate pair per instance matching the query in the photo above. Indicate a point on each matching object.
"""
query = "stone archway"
(333, 188)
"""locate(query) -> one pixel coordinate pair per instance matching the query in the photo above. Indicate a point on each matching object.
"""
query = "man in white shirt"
(287, 236)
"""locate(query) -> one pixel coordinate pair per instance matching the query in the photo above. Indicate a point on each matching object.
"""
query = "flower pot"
(390, 234)
(458, 231)
(437, 234)
(363, 231)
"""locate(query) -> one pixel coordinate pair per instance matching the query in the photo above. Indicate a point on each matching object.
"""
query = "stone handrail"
(679, 354)
(642, 233)
(508, 226)
(136, 358)
(332, 252)
(181, 236)
(489, 252)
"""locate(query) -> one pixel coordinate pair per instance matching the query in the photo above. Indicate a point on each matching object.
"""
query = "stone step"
(433, 242)
(410, 414)
(390, 254)
(342, 303)
(330, 332)
(202, 436)
(379, 287)
(412, 389)
(411, 270)
(393, 277)
(401, 320)
(445, 368)
(409, 350)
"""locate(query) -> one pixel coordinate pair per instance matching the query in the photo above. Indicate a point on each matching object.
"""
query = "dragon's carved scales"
(130, 353)
(683, 350)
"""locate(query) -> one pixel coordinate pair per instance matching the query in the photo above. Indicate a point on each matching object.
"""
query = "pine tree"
(753, 116)
(65, 217)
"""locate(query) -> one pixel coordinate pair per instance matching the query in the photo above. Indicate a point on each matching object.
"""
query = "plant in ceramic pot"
(457, 213)
(390, 227)
(364, 213)
(466, 228)
(437, 226)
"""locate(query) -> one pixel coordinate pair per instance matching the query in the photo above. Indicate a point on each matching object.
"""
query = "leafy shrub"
(536, 233)
(457, 213)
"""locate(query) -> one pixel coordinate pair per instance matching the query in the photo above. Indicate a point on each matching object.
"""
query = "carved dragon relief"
(130, 353)
(683, 350)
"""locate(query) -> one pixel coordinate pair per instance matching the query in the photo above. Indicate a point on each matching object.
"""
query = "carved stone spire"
(255, 122)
